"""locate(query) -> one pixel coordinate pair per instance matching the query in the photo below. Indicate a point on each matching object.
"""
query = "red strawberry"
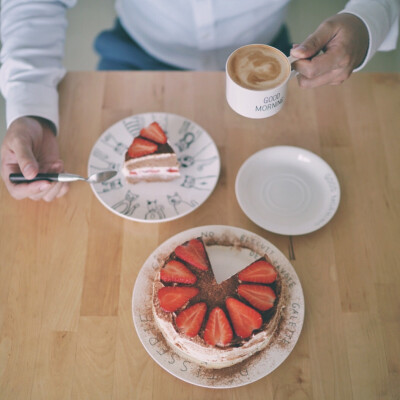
(259, 296)
(173, 297)
(175, 271)
(141, 147)
(154, 132)
(244, 318)
(260, 271)
(218, 331)
(194, 253)
(189, 321)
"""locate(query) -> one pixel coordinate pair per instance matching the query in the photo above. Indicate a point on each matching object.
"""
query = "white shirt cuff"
(382, 32)
(31, 99)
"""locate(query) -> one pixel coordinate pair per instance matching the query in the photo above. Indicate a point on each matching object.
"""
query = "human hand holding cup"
(257, 76)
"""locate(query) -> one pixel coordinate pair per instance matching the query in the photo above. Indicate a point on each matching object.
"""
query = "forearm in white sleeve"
(33, 36)
(381, 18)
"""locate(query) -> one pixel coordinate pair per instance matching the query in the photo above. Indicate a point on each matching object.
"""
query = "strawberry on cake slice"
(216, 325)
(150, 158)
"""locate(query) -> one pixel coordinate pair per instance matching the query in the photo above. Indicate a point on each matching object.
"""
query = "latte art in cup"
(258, 67)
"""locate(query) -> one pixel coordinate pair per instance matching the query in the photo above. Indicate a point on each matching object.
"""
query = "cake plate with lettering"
(240, 248)
(287, 190)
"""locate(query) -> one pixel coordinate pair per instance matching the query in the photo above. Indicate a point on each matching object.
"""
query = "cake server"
(64, 177)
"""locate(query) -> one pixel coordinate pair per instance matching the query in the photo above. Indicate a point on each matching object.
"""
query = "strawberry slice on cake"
(189, 321)
(260, 271)
(259, 296)
(218, 331)
(244, 318)
(174, 297)
(175, 271)
(194, 253)
(154, 132)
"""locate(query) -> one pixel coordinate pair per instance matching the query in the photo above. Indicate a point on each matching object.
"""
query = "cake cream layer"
(152, 160)
(151, 171)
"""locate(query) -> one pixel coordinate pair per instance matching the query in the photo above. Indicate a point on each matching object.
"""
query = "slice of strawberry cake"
(150, 158)
(216, 325)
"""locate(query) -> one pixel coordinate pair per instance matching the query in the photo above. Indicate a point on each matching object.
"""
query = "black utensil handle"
(19, 178)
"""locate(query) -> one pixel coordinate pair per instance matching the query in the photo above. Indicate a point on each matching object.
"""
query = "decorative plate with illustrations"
(156, 201)
(226, 261)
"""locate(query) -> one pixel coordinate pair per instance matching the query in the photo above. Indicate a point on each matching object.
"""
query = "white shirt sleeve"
(33, 36)
(381, 18)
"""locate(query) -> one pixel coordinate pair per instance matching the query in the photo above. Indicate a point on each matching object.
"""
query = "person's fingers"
(333, 59)
(56, 187)
(334, 77)
(34, 190)
(314, 42)
(64, 190)
(53, 192)
(25, 158)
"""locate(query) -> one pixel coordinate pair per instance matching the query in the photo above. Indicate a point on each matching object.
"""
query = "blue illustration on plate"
(154, 210)
(106, 162)
(199, 183)
(127, 206)
(176, 201)
(110, 141)
(188, 160)
(133, 125)
(108, 186)
(187, 140)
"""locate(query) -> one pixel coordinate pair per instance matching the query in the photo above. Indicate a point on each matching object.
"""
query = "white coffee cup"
(264, 99)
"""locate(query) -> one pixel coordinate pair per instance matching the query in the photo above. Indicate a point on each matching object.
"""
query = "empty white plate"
(287, 190)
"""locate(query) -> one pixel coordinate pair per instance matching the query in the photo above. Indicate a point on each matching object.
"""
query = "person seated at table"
(160, 35)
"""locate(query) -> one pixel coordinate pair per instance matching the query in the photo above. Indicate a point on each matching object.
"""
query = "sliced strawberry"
(154, 132)
(259, 296)
(173, 297)
(244, 318)
(189, 321)
(260, 271)
(218, 331)
(175, 271)
(141, 147)
(194, 253)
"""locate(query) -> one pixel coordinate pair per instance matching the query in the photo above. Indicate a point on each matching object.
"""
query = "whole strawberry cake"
(150, 158)
(216, 325)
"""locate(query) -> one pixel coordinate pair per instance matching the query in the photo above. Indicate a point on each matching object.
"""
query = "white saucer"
(287, 190)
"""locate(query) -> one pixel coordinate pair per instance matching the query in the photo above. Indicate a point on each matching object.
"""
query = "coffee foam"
(258, 67)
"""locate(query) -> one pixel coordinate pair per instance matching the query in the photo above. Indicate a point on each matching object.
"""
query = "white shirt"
(192, 34)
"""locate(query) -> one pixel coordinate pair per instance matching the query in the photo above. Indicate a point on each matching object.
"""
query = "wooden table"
(67, 269)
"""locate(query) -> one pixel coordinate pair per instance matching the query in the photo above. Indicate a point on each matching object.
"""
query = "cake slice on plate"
(150, 158)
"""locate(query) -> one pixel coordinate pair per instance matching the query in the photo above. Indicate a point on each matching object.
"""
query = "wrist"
(45, 123)
(361, 35)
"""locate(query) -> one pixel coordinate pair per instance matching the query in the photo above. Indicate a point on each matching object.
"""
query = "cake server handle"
(19, 178)
(64, 177)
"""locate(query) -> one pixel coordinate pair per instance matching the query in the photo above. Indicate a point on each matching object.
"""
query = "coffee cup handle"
(293, 71)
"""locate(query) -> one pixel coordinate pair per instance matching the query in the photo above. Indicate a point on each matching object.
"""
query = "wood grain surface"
(67, 268)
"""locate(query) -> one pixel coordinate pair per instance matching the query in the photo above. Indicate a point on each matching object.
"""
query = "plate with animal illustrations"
(198, 158)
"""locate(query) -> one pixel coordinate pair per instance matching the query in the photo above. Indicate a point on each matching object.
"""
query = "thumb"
(26, 159)
(314, 43)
